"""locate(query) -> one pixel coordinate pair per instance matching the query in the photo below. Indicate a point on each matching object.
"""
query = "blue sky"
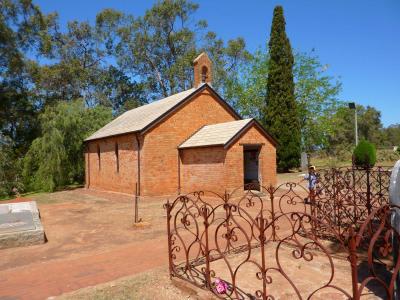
(358, 39)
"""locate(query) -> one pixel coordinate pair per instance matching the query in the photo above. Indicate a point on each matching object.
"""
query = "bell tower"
(202, 70)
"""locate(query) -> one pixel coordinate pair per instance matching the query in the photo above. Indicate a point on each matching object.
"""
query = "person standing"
(311, 177)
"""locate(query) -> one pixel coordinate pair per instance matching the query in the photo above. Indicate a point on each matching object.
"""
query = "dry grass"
(289, 177)
(385, 157)
(150, 285)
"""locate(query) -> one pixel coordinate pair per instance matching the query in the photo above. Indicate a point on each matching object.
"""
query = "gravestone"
(304, 161)
(394, 198)
(20, 225)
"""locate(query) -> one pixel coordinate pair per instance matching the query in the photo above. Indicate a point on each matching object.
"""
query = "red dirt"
(41, 280)
(16, 200)
(91, 241)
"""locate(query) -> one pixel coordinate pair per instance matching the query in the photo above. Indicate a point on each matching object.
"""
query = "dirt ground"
(149, 285)
(83, 221)
(91, 240)
(302, 273)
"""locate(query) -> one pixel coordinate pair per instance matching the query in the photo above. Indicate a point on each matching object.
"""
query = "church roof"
(217, 134)
(139, 119)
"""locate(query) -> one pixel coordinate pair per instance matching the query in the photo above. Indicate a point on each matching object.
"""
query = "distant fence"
(206, 231)
(347, 195)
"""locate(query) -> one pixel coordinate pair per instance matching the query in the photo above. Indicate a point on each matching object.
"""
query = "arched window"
(204, 74)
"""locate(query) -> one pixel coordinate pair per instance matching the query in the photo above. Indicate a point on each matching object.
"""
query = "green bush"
(10, 169)
(364, 154)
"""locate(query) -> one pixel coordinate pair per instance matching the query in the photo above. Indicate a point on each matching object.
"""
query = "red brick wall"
(160, 154)
(107, 177)
(202, 169)
(235, 165)
(217, 169)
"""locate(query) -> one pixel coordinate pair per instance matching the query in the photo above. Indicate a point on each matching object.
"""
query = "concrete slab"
(20, 225)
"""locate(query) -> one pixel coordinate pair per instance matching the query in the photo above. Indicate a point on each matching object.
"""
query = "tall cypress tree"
(281, 116)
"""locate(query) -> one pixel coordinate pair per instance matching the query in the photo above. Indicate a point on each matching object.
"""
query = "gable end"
(187, 99)
(254, 122)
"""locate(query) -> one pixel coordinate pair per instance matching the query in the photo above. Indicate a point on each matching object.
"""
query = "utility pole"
(352, 105)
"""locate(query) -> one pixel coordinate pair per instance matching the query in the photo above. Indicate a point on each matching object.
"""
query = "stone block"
(20, 225)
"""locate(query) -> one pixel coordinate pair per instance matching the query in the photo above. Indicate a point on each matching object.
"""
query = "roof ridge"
(248, 120)
(162, 99)
(143, 118)
(244, 128)
(196, 131)
(142, 109)
(216, 134)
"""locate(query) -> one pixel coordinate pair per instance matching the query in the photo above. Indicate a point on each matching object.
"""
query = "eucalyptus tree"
(317, 98)
(159, 48)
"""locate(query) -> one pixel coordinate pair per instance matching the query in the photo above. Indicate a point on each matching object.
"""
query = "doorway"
(251, 167)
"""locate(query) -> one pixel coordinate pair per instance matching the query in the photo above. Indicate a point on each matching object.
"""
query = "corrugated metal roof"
(217, 134)
(137, 119)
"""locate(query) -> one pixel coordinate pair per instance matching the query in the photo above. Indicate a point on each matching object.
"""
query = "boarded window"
(98, 156)
(117, 156)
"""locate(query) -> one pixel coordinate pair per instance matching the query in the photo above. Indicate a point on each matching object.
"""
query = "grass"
(385, 157)
(153, 284)
(41, 196)
(24, 195)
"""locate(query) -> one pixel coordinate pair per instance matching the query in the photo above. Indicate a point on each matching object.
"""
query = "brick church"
(189, 141)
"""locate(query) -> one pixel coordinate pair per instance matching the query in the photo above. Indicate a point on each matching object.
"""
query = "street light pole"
(352, 105)
(356, 125)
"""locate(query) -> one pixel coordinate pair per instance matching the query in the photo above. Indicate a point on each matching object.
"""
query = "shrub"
(364, 154)
(10, 169)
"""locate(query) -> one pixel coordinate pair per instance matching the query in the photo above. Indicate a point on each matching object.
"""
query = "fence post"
(353, 262)
(354, 194)
(369, 206)
(313, 207)
(335, 198)
(262, 242)
(271, 197)
(380, 185)
(136, 204)
(168, 208)
(340, 204)
(227, 217)
(206, 250)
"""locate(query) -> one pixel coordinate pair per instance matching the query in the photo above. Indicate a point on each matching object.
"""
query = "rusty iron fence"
(347, 195)
(252, 235)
